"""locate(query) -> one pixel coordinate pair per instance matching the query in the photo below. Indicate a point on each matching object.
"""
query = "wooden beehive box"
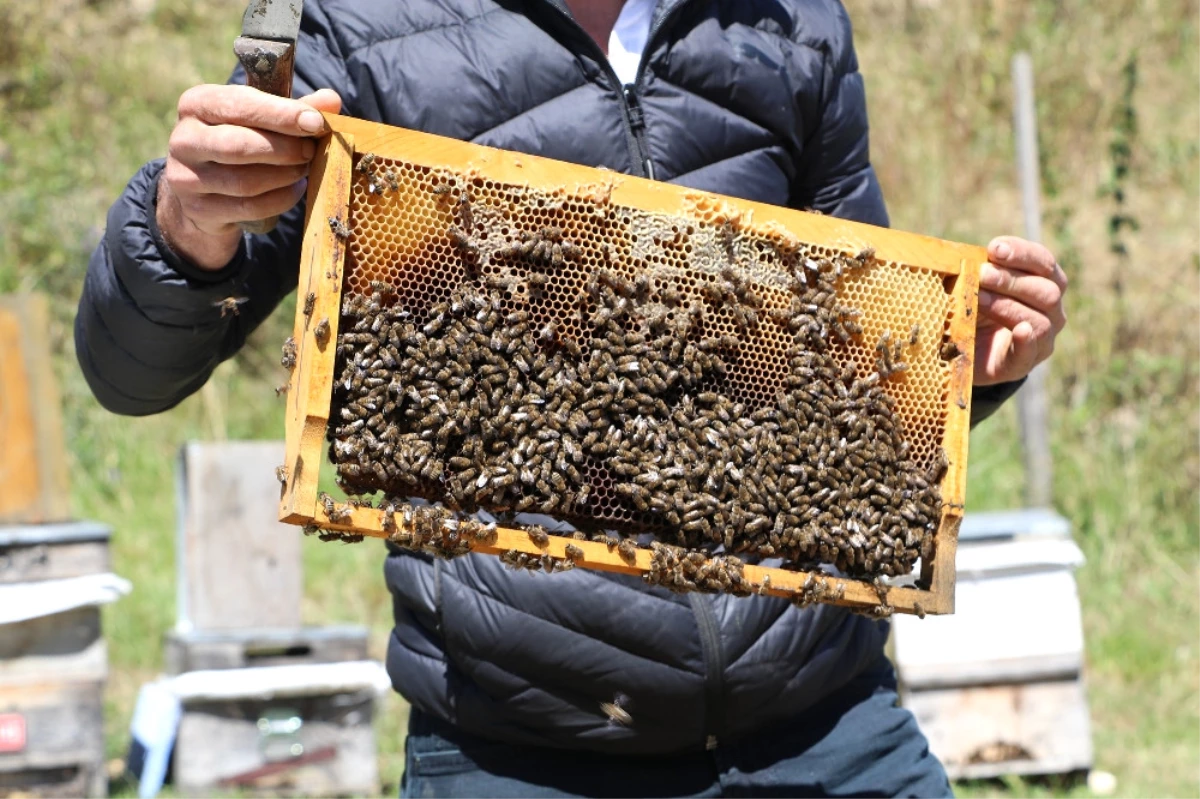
(52, 667)
(422, 227)
(248, 723)
(1000, 687)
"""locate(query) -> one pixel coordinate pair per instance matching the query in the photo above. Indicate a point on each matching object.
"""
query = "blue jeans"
(856, 742)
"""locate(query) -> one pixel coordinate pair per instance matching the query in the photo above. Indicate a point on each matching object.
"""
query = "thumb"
(325, 100)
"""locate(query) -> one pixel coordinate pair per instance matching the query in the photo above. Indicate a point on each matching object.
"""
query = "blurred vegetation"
(87, 93)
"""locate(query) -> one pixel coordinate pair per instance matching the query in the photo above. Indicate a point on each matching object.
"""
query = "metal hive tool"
(414, 236)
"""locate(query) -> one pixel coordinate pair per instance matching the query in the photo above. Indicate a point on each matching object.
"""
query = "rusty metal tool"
(267, 51)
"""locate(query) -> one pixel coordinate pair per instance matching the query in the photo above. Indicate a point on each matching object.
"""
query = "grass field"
(87, 92)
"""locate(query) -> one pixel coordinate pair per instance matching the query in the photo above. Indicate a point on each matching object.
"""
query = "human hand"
(1020, 310)
(236, 154)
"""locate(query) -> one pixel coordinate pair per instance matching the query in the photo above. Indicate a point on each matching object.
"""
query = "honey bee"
(281, 474)
(574, 553)
(280, 390)
(309, 303)
(288, 359)
(461, 239)
(627, 549)
(339, 228)
(230, 305)
(321, 331)
(366, 163)
(615, 711)
(539, 536)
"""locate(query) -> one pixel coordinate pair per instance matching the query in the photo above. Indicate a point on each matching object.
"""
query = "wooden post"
(1032, 405)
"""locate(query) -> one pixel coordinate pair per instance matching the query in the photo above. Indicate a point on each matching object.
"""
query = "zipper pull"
(636, 120)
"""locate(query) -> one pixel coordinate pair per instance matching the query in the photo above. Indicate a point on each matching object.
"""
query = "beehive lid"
(56, 533)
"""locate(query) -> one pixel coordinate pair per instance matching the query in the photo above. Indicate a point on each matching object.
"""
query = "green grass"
(87, 93)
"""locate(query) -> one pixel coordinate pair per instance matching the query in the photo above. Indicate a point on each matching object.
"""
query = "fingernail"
(311, 121)
(1002, 251)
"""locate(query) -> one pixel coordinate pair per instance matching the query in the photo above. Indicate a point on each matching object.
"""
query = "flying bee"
(280, 390)
(230, 305)
(616, 713)
(339, 228)
(288, 359)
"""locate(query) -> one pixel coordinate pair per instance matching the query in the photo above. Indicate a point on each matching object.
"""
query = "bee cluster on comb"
(697, 378)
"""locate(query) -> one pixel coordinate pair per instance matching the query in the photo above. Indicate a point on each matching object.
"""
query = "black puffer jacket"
(755, 98)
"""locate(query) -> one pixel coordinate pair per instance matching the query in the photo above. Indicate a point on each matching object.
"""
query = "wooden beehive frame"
(321, 275)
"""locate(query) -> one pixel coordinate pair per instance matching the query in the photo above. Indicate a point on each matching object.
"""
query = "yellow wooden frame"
(321, 269)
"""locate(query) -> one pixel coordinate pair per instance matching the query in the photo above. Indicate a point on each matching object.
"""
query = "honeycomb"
(419, 240)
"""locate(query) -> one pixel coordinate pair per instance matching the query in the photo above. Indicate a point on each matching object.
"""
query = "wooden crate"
(999, 688)
(33, 466)
(296, 746)
(53, 668)
(241, 589)
(52, 673)
(323, 273)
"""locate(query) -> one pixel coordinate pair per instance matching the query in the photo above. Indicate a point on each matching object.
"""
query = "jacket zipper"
(631, 107)
(637, 124)
(714, 668)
